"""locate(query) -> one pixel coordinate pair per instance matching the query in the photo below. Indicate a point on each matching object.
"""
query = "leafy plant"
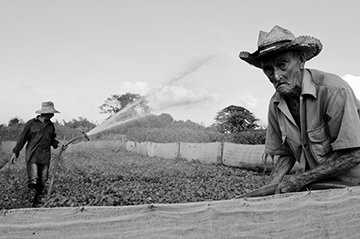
(105, 178)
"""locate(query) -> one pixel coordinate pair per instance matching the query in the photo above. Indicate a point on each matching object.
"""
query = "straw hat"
(280, 39)
(47, 108)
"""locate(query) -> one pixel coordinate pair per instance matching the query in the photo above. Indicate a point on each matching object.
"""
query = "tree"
(235, 119)
(165, 119)
(2, 132)
(15, 122)
(12, 130)
(186, 124)
(115, 103)
(80, 123)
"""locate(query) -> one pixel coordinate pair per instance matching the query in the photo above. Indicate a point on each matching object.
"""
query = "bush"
(11, 132)
(63, 132)
(193, 135)
(66, 133)
(169, 135)
(249, 137)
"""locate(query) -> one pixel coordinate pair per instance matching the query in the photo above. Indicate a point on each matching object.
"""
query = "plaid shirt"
(39, 137)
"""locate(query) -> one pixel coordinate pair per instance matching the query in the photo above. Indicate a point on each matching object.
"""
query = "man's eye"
(268, 71)
(282, 66)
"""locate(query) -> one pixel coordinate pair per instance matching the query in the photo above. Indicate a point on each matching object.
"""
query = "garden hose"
(57, 159)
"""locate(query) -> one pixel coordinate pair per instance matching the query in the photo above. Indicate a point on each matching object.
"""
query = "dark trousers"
(37, 176)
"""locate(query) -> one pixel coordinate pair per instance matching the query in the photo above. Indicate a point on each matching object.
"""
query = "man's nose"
(277, 75)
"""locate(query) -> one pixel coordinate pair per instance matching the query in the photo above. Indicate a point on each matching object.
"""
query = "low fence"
(223, 153)
(229, 154)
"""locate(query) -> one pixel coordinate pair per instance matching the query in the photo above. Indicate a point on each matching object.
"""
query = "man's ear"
(302, 57)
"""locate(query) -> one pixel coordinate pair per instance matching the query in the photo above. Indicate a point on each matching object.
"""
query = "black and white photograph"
(179, 119)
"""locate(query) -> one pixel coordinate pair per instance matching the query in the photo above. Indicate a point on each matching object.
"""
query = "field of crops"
(106, 177)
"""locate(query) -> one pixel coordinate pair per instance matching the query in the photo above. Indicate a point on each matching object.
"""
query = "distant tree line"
(232, 124)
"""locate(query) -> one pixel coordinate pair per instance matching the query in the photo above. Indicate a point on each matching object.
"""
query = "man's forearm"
(282, 167)
(336, 164)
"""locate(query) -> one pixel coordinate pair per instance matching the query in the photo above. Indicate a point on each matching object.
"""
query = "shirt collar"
(38, 120)
(308, 86)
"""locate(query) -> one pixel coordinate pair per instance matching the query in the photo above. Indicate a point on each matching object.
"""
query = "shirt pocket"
(319, 143)
(35, 131)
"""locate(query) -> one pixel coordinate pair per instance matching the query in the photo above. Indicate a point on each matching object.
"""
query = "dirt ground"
(313, 214)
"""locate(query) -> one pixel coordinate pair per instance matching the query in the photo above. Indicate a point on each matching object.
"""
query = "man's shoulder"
(51, 123)
(31, 121)
(326, 79)
(323, 75)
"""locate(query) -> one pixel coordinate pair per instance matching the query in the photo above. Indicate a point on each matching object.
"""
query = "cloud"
(176, 96)
(169, 96)
(139, 87)
(248, 101)
(354, 82)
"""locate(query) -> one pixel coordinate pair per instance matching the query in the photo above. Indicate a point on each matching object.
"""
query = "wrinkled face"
(285, 71)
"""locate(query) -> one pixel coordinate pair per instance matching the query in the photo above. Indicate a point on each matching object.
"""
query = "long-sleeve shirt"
(39, 137)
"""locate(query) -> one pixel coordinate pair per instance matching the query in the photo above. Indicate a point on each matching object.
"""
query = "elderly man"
(39, 134)
(313, 117)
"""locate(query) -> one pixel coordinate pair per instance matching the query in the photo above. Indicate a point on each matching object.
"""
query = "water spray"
(139, 108)
(132, 111)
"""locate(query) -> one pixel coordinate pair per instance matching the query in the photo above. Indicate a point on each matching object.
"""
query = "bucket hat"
(47, 108)
(280, 39)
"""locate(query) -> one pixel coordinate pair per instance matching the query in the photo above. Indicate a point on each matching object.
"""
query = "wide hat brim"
(46, 111)
(309, 45)
(47, 108)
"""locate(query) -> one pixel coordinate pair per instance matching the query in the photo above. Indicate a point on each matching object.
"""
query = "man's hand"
(13, 158)
(290, 183)
(283, 166)
(63, 147)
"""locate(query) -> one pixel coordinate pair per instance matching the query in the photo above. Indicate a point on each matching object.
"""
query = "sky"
(77, 53)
